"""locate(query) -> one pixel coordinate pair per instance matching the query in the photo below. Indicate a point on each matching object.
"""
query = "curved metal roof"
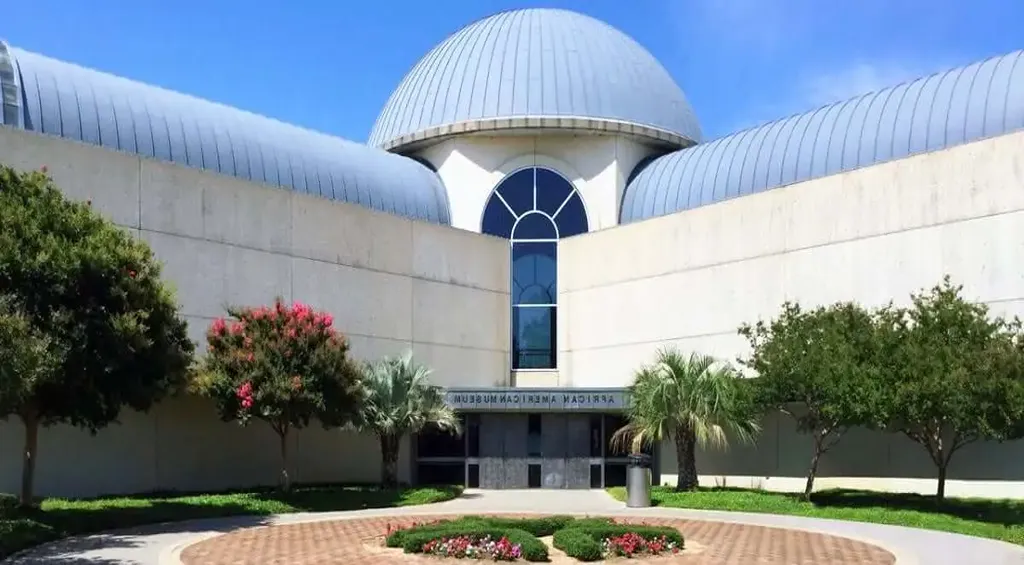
(958, 106)
(548, 65)
(70, 101)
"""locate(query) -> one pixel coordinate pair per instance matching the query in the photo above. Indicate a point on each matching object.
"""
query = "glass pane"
(533, 476)
(497, 219)
(432, 442)
(595, 436)
(614, 475)
(441, 473)
(473, 481)
(533, 434)
(534, 226)
(595, 476)
(517, 190)
(572, 219)
(473, 433)
(552, 190)
(533, 273)
(533, 337)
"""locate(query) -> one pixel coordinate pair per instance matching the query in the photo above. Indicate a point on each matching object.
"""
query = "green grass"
(996, 519)
(57, 518)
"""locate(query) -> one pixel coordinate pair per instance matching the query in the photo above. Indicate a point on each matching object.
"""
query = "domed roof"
(48, 96)
(958, 106)
(536, 68)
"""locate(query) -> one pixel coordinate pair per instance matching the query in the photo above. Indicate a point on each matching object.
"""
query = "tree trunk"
(286, 480)
(813, 471)
(686, 459)
(940, 494)
(389, 461)
(28, 461)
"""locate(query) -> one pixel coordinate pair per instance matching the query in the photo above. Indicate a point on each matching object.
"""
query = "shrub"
(578, 544)
(531, 548)
(23, 533)
(8, 505)
(592, 539)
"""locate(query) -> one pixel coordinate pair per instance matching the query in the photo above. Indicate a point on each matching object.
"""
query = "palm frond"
(694, 392)
(399, 398)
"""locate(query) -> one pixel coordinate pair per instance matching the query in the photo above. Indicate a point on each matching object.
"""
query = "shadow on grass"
(1001, 512)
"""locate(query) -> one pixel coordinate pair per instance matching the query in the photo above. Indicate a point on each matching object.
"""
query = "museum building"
(534, 214)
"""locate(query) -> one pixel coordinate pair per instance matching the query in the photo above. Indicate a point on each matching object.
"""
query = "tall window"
(533, 208)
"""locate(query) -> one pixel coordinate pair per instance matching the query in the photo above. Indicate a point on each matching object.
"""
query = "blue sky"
(331, 65)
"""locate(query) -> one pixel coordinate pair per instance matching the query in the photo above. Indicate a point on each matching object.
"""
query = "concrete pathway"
(160, 544)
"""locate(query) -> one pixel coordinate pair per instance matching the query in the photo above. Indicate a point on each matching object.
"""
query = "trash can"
(638, 481)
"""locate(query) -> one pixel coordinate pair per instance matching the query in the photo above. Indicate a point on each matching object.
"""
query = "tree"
(95, 312)
(819, 367)
(285, 365)
(399, 400)
(694, 400)
(956, 374)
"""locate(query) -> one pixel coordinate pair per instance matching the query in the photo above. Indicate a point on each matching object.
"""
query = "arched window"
(533, 208)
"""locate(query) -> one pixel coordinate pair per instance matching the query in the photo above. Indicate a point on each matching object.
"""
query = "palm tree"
(694, 400)
(399, 400)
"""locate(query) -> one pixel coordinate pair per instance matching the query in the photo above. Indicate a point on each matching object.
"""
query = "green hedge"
(582, 539)
(577, 544)
(17, 534)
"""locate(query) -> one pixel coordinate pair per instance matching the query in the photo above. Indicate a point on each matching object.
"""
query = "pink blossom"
(217, 327)
(237, 328)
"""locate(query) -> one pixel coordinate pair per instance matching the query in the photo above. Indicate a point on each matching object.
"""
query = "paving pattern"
(352, 541)
(745, 538)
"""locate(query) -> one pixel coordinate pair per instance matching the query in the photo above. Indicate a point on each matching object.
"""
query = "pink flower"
(237, 328)
(217, 327)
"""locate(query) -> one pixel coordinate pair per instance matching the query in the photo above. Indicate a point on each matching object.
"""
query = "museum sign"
(530, 400)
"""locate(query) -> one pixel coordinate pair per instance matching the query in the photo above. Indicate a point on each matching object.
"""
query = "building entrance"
(516, 450)
(535, 451)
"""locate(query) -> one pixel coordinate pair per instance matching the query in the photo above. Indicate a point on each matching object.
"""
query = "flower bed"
(510, 539)
(593, 540)
(474, 547)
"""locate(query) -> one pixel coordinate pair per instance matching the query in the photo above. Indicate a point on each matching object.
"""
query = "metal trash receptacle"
(638, 481)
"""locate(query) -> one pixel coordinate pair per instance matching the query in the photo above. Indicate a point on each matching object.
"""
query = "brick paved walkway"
(829, 541)
(351, 541)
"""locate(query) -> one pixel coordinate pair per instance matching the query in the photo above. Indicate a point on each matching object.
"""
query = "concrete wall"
(869, 235)
(598, 165)
(391, 284)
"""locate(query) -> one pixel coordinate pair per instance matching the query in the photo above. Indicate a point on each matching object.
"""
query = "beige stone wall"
(870, 235)
(391, 284)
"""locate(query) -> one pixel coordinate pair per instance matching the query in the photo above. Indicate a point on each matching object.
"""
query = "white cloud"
(856, 79)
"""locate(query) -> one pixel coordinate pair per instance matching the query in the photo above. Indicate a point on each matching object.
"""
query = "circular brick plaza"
(358, 541)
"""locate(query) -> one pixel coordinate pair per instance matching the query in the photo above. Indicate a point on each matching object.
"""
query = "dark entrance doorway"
(535, 451)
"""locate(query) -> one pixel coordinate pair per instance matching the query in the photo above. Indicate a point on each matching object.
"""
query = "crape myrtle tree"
(284, 365)
(819, 367)
(694, 400)
(399, 400)
(956, 374)
(101, 331)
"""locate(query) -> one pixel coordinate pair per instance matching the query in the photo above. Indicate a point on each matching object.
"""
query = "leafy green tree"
(285, 365)
(819, 367)
(955, 372)
(695, 401)
(399, 400)
(95, 312)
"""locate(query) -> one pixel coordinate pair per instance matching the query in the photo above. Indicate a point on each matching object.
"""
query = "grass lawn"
(57, 518)
(997, 519)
